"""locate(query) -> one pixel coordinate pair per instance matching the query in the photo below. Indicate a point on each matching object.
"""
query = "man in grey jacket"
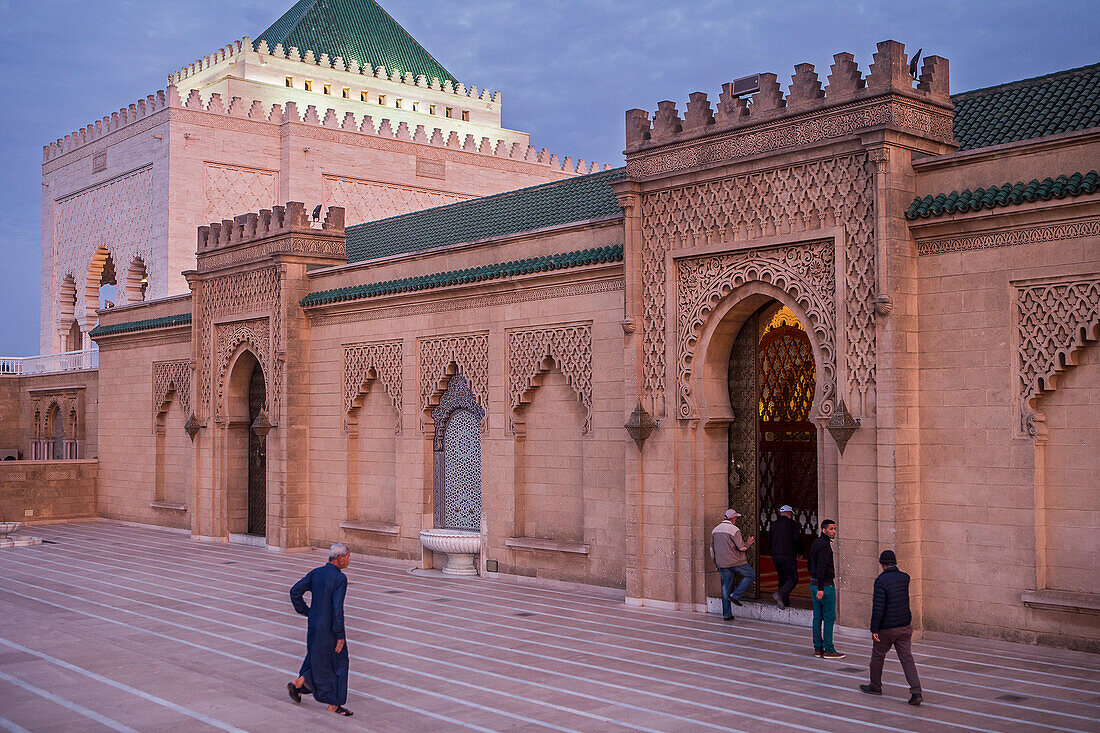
(727, 549)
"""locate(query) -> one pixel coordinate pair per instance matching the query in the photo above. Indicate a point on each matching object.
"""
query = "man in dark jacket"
(325, 669)
(786, 545)
(823, 591)
(891, 625)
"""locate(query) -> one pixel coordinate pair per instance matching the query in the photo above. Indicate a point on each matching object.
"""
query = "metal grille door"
(257, 458)
(462, 472)
(788, 440)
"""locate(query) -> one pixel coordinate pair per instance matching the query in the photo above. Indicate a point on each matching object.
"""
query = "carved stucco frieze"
(835, 192)
(469, 352)
(805, 271)
(256, 333)
(477, 301)
(172, 376)
(1011, 237)
(254, 291)
(569, 345)
(1054, 319)
(384, 360)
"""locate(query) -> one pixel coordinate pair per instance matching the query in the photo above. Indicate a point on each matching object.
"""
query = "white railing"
(69, 361)
(48, 449)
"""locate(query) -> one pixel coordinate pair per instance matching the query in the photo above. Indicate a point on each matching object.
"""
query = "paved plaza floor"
(118, 627)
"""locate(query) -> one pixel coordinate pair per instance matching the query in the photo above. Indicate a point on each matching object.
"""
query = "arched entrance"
(457, 454)
(246, 443)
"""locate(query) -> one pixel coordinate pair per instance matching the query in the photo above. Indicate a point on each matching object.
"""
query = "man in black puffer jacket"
(892, 625)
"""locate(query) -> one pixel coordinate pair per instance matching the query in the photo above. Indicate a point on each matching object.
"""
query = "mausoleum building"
(402, 327)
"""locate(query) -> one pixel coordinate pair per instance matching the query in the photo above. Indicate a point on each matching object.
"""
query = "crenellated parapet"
(279, 114)
(114, 121)
(289, 229)
(888, 95)
(307, 57)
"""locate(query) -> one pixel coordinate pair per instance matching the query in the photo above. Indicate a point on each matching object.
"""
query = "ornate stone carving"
(169, 376)
(116, 215)
(469, 352)
(476, 301)
(457, 457)
(232, 189)
(806, 271)
(569, 345)
(384, 359)
(257, 334)
(254, 291)
(1010, 237)
(1054, 319)
(370, 200)
(832, 192)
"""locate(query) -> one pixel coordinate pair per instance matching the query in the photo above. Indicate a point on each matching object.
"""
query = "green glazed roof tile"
(145, 325)
(574, 199)
(547, 263)
(958, 202)
(1021, 110)
(358, 30)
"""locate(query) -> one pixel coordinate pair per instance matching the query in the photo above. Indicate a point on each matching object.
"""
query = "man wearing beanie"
(891, 626)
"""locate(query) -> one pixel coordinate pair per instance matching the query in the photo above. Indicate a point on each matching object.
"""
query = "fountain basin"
(460, 546)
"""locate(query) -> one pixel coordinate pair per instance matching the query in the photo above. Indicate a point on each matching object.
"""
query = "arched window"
(137, 281)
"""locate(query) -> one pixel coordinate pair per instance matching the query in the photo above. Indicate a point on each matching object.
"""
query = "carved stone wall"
(116, 214)
(385, 359)
(257, 335)
(169, 376)
(806, 271)
(371, 200)
(254, 291)
(571, 348)
(231, 189)
(828, 193)
(1054, 318)
(470, 352)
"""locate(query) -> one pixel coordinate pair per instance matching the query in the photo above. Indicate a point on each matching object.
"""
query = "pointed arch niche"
(1056, 367)
(175, 455)
(550, 381)
(372, 409)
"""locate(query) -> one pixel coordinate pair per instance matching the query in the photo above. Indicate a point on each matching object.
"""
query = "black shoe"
(915, 699)
(295, 693)
(736, 602)
(779, 601)
(871, 690)
(727, 618)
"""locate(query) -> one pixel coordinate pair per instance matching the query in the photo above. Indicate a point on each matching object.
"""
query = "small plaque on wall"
(99, 162)
(431, 168)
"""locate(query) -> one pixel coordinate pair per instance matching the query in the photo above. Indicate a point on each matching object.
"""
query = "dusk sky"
(568, 69)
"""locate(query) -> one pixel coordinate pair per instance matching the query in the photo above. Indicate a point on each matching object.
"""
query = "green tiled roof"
(358, 30)
(1022, 110)
(1006, 195)
(547, 263)
(550, 204)
(148, 324)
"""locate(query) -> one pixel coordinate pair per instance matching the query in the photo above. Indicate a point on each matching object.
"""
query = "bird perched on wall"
(913, 63)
